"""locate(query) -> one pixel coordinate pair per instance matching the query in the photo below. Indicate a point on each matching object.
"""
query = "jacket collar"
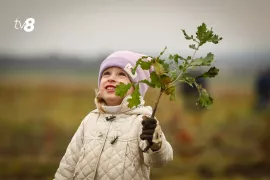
(124, 109)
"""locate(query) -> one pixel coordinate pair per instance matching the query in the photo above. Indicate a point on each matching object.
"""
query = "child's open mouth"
(110, 88)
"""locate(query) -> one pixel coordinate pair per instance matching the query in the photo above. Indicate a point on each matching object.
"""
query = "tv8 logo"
(28, 25)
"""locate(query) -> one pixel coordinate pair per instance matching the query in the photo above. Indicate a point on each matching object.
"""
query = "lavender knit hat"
(127, 60)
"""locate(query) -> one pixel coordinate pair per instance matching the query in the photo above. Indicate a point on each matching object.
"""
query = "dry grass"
(40, 114)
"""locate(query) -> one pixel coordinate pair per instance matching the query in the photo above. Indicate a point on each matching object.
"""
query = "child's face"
(110, 78)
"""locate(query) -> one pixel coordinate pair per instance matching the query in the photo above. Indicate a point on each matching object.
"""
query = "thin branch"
(184, 69)
(156, 104)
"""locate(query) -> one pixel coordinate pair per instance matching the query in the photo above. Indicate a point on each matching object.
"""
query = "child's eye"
(106, 73)
(122, 74)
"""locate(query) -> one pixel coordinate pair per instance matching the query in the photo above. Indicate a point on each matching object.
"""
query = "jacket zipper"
(104, 141)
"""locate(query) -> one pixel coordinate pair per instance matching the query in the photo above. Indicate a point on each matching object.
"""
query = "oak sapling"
(167, 72)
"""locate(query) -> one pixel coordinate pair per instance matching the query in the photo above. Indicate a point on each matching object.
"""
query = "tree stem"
(156, 105)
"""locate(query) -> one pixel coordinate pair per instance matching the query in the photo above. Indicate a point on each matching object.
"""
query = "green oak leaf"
(205, 100)
(193, 46)
(206, 61)
(172, 95)
(159, 69)
(215, 39)
(165, 65)
(173, 74)
(201, 31)
(176, 58)
(181, 67)
(155, 79)
(145, 65)
(122, 89)
(187, 36)
(204, 35)
(187, 78)
(212, 72)
(165, 79)
(171, 91)
(135, 98)
(148, 83)
(162, 52)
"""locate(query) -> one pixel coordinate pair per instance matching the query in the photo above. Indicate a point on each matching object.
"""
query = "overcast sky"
(89, 27)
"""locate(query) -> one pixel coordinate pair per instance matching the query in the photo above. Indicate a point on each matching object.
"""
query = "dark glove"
(151, 132)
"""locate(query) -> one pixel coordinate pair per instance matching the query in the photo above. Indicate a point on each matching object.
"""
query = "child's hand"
(151, 132)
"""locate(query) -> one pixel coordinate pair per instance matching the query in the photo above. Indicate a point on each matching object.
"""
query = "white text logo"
(27, 26)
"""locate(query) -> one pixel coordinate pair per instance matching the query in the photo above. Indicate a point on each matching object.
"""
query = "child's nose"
(111, 78)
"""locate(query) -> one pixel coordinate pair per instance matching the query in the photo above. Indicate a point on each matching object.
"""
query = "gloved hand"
(151, 132)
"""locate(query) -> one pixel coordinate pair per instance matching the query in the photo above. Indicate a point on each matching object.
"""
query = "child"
(109, 142)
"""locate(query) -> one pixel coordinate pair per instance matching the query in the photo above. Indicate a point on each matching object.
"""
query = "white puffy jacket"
(112, 150)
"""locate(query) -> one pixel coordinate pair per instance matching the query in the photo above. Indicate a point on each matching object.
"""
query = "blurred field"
(40, 113)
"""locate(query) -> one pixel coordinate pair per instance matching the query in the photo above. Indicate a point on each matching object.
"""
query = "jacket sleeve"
(157, 158)
(68, 162)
